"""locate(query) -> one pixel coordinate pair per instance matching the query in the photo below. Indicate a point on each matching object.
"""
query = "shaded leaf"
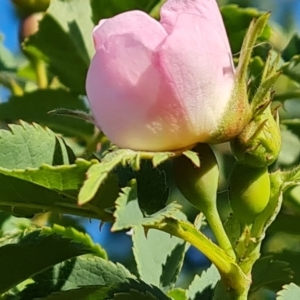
(202, 286)
(270, 272)
(152, 189)
(128, 213)
(66, 23)
(292, 48)
(34, 107)
(158, 256)
(74, 273)
(44, 247)
(292, 68)
(289, 292)
(97, 174)
(107, 8)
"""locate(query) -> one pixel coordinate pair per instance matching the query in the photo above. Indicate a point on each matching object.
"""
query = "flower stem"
(231, 274)
(215, 223)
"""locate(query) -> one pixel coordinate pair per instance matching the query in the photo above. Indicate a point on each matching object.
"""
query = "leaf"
(193, 156)
(74, 273)
(104, 9)
(289, 292)
(133, 289)
(292, 48)
(293, 259)
(7, 59)
(292, 68)
(44, 247)
(203, 287)
(178, 294)
(26, 192)
(97, 174)
(128, 213)
(66, 23)
(26, 146)
(237, 21)
(268, 271)
(34, 107)
(165, 252)
(152, 189)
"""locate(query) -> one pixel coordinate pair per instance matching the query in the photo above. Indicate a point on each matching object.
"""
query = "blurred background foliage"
(285, 22)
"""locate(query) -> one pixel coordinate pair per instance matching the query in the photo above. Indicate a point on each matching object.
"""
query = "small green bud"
(28, 7)
(259, 144)
(249, 192)
(198, 184)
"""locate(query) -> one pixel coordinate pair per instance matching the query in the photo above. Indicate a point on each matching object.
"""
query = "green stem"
(216, 225)
(41, 72)
(232, 276)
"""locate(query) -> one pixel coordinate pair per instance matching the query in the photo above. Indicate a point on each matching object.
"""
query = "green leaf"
(54, 188)
(104, 9)
(152, 189)
(132, 289)
(83, 293)
(44, 247)
(289, 292)
(268, 271)
(7, 59)
(292, 68)
(178, 294)
(203, 287)
(74, 273)
(165, 252)
(292, 48)
(237, 21)
(66, 23)
(34, 107)
(193, 156)
(97, 174)
(128, 213)
(30, 146)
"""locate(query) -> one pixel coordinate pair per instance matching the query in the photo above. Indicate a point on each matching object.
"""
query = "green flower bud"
(198, 184)
(249, 192)
(259, 144)
(28, 7)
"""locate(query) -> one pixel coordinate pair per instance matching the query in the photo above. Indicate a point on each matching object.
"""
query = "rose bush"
(164, 85)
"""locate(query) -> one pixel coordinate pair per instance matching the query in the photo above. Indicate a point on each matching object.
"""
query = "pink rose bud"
(160, 86)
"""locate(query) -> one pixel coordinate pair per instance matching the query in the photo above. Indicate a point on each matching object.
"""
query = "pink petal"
(199, 65)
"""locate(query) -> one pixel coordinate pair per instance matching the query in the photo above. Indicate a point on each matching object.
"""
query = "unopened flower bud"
(259, 144)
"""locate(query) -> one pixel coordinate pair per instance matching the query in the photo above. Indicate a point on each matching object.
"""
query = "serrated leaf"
(237, 21)
(108, 8)
(97, 174)
(292, 68)
(152, 189)
(289, 292)
(165, 253)
(128, 213)
(74, 273)
(178, 294)
(268, 271)
(54, 188)
(34, 107)
(30, 146)
(202, 286)
(44, 247)
(66, 23)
